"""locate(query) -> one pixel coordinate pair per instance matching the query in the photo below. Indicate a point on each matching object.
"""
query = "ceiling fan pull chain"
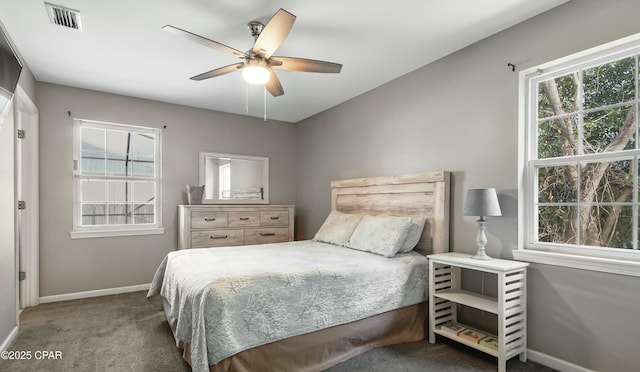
(246, 96)
(265, 102)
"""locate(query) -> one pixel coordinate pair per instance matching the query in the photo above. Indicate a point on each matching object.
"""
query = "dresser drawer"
(274, 218)
(216, 238)
(243, 219)
(208, 219)
(219, 225)
(266, 235)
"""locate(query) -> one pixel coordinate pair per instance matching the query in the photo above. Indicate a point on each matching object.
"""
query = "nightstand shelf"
(446, 293)
(462, 297)
(469, 343)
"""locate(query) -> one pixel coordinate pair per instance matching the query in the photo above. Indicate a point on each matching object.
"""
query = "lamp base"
(481, 256)
(481, 240)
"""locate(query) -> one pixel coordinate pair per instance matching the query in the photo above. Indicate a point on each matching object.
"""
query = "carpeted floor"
(128, 333)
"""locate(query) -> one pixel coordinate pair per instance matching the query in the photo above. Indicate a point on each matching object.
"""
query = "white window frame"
(609, 260)
(79, 231)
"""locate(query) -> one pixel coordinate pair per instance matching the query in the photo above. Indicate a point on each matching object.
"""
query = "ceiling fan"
(259, 62)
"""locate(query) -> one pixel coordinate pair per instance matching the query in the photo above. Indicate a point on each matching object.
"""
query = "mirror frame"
(203, 155)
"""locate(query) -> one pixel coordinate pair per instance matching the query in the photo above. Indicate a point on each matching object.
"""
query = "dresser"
(202, 226)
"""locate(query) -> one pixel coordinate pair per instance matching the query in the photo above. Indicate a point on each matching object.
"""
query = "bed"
(307, 305)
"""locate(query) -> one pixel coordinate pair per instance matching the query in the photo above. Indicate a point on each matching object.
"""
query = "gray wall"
(75, 265)
(460, 114)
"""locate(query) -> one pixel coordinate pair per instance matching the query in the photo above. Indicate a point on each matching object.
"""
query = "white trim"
(7, 341)
(609, 260)
(555, 363)
(27, 118)
(96, 293)
(156, 228)
(605, 265)
(597, 52)
(111, 233)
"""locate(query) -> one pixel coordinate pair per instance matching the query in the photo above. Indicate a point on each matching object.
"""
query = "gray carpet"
(128, 333)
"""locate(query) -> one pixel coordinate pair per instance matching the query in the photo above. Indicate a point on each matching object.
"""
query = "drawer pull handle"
(219, 236)
(209, 219)
(275, 218)
(244, 218)
(267, 234)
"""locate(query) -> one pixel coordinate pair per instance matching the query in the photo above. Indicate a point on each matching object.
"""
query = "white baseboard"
(96, 293)
(7, 342)
(555, 363)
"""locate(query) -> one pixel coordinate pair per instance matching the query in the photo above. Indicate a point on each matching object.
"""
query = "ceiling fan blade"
(219, 71)
(273, 85)
(274, 33)
(306, 65)
(204, 41)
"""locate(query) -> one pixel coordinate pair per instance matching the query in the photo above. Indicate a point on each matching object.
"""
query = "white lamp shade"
(482, 202)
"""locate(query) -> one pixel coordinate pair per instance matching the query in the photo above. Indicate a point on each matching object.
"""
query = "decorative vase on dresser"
(203, 226)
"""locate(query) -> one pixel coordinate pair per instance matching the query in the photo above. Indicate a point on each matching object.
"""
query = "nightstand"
(446, 293)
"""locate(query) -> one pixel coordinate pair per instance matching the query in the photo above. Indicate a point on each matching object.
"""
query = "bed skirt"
(319, 350)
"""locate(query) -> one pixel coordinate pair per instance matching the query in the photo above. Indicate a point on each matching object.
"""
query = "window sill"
(605, 265)
(112, 233)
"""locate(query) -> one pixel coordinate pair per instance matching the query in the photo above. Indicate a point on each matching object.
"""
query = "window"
(579, 195)
(225, 181)
(117, 180)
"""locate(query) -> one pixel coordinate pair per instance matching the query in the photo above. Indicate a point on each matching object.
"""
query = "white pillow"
(337, 228)
(415, 232)
(383, 235)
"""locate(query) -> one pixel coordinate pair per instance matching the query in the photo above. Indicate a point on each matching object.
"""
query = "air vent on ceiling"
(66, 17)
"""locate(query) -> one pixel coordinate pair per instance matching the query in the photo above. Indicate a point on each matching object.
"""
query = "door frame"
(27, 188)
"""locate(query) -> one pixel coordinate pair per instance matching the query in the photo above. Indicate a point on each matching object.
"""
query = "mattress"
(226, 300)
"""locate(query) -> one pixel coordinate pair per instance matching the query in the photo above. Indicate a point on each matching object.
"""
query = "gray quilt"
(230, 299)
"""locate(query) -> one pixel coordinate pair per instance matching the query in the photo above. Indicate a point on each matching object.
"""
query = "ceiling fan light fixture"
(255, 73)
(258, 63)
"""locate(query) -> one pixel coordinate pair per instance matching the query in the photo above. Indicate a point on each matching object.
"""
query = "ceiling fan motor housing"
(255, 28)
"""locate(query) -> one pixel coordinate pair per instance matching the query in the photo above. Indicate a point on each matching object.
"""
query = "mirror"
(234, 179)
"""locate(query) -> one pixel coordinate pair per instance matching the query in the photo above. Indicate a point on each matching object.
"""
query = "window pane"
(557, 184)
(117, 142)
(610, 83)
(144, 192)
(93, 191)
(143, 169)
(556, 224)
(143, 147)
(92, 163)
(117, 165)
(119, 191)
(119, 214)
(92, 139)
(558, 137)
(607, 226)
(144, 213)
(613, 129)
(93, 214)
(557, 96)
(607, 182)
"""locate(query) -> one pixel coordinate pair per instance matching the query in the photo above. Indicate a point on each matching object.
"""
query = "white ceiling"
(123, 50)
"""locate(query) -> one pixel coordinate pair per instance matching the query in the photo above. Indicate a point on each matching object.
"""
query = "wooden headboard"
(422, 194)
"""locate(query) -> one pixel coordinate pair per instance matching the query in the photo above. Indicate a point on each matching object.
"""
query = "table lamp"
(482, 203)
